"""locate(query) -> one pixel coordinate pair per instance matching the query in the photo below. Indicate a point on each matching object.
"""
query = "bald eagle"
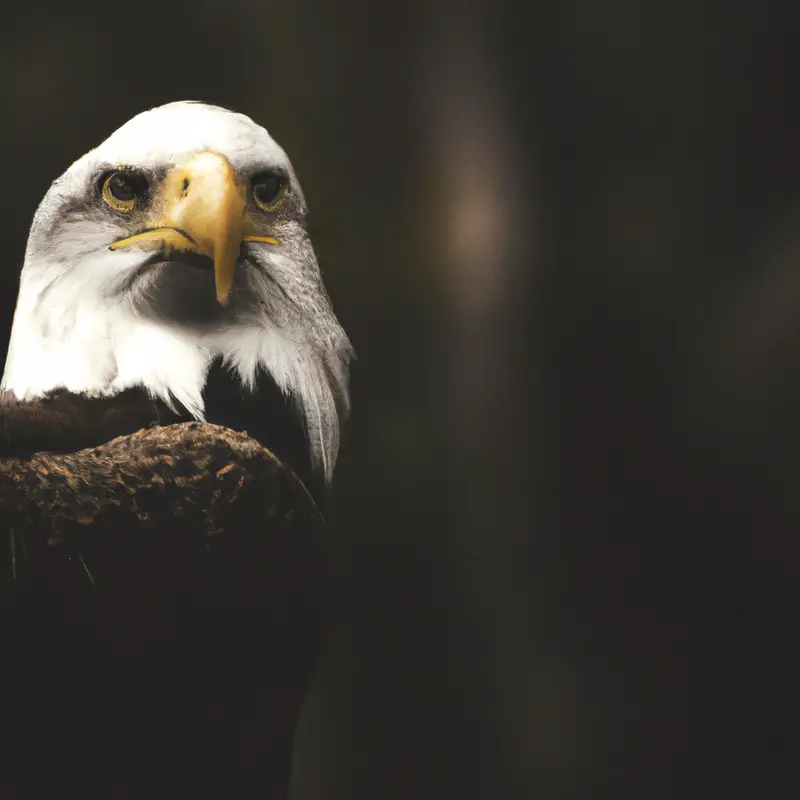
(171, 405)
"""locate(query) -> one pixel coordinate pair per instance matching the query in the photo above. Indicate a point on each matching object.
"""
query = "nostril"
(185, 187)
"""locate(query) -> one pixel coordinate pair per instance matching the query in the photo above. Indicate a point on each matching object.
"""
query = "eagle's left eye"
(268, 191)
(123, 190)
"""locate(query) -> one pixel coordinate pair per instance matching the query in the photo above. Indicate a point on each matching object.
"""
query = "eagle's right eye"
(268, 191)
(123, 190)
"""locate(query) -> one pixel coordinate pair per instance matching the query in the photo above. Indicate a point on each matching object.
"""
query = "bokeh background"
(565, 240)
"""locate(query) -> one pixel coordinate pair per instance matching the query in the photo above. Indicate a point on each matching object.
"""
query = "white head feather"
(74, 326)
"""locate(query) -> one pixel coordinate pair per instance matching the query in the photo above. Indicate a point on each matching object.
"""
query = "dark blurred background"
(565, 240)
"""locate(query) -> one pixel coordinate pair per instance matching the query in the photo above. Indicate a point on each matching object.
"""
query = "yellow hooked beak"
(199, 208)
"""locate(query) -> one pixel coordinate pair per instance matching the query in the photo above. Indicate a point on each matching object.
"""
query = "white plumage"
(78, 323)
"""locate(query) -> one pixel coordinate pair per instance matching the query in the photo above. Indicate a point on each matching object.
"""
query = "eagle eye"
(123, 190)
(269, 190)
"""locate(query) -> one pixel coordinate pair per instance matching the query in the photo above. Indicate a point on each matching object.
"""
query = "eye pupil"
(121, 187)
(123, 190)
(267, 190)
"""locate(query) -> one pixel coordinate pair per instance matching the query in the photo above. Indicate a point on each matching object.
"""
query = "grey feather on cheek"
(294, 301)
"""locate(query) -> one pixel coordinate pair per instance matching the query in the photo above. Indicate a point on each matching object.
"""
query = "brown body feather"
(163, 603)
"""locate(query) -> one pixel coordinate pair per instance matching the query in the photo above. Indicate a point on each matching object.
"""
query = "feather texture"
(163, 603)
(97, 322)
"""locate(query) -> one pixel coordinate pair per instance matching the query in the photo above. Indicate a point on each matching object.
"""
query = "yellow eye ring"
(269, 192)
(121, 191)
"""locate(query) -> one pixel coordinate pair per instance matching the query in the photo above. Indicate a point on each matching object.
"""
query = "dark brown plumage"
(163, 600)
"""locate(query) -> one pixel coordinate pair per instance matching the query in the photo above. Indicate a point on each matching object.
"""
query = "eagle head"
(179, 240)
